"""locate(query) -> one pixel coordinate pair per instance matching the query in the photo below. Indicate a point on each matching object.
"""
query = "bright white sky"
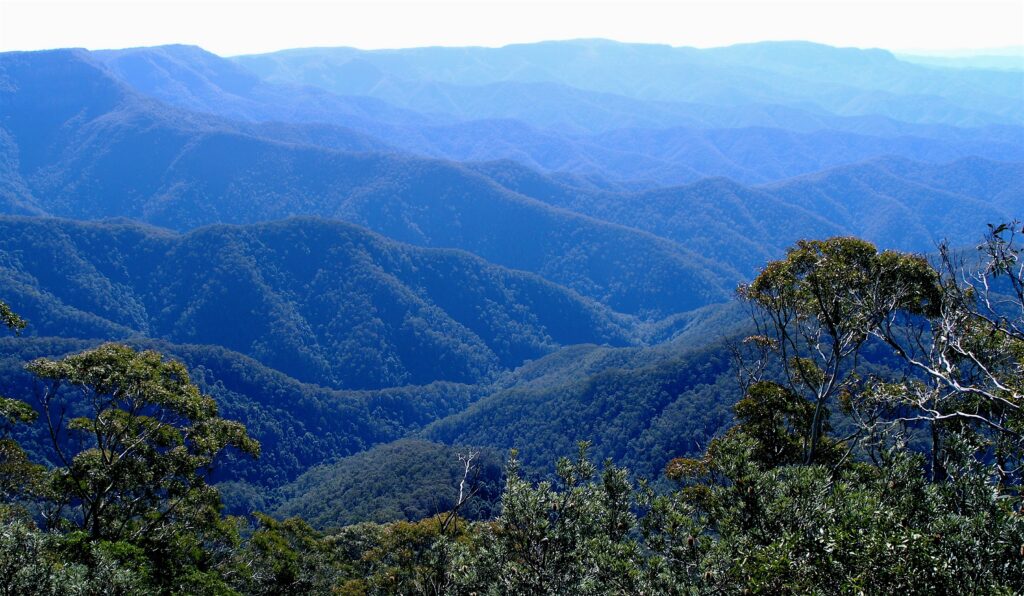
(229, 27)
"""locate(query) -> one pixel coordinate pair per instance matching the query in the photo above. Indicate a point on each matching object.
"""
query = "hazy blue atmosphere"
(231, 27)
(420, 251)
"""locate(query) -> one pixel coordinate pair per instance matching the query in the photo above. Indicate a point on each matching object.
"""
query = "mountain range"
(391, 256)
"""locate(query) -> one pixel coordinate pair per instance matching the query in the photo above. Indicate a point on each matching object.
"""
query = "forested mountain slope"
(377, 260)
(844, 81)
(118, 154)
(893, 202)
(300, 425)
(640, 408)
(324, 302)
(654, 143)
(410, 479)
(103, 151)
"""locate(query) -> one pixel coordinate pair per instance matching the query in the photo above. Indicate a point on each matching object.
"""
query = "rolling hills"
(844, 81)
(558, 128)
(132, 157)
(128, 156)
(324, 302)
(376, 259)
(300, 425)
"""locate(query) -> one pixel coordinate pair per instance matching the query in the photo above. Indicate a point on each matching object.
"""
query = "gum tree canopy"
(132, 465)
(819, 305)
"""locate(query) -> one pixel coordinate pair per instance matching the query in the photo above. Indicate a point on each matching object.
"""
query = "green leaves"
(786, 524)
(133, 465)
(19, 477)
(845, 284)
(130, 379)
(16, 411)
(572, 536)
(9, 319)
(777, 419)
(818, 307)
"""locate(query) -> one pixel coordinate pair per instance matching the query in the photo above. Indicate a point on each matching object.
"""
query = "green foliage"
(18, 475)
(9, 319)
(36, 562)
(800, 529)
(14, 411)
(299, 425)
(640, 408)
(569, 537)
(286, 557)
(782, 525)
(777, 504)
(777, 419)
(845, 283)
(409, 479)
(818, 307)
(130, 486)
(749, 527)
(322, 301)
(146, 440)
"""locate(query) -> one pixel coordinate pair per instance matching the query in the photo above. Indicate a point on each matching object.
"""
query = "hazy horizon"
(231, 27)
(965, 53)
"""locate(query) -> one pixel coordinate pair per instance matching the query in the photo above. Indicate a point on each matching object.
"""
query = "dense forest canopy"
(778, 502)
(575, 317)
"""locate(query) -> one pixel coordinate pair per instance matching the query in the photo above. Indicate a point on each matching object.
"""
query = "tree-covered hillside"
(576, 317)
(300, 425)
(781, 501)
(845, 81)
(324, 302)
(410, 480)
(639, 409)
(899, 203)
(124, 156)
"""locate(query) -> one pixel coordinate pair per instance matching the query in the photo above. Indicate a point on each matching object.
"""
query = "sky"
(232, 27)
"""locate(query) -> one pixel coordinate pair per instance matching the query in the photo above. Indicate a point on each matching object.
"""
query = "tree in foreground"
(133, 464)
(133, 440)
(9, 319)
(19, 477)
(919, 364)
(790, 508)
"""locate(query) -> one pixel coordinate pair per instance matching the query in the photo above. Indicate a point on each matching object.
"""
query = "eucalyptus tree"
(134, 463)
(817, 307)
(967, 356)
(18, 476)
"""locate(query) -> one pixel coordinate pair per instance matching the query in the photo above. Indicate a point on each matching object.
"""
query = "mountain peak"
(176, 69)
